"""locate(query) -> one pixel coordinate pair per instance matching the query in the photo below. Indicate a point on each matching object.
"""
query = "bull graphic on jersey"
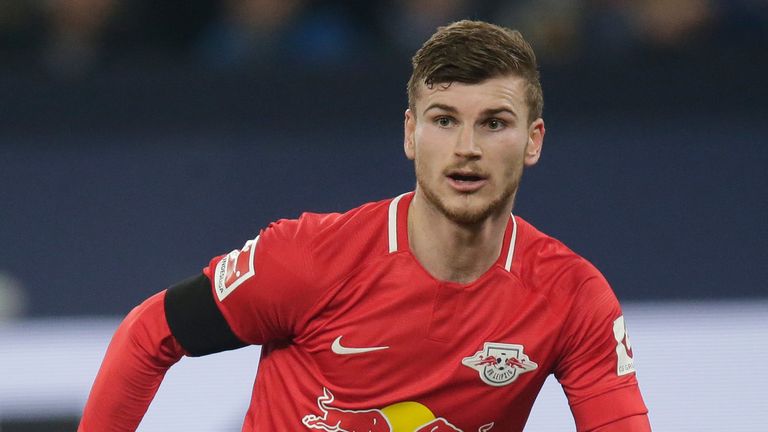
(398, 417)
(500, 364)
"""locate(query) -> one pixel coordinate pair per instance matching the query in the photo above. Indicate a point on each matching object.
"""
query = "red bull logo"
(399, 417)
(500, 364)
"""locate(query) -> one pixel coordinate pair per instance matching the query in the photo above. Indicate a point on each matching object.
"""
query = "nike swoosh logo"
(339, 349)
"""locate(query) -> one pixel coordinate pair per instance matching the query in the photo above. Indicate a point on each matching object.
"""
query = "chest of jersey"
(392, 336)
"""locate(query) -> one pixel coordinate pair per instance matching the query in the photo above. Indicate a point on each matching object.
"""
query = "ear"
(409, 143)
(535, 142)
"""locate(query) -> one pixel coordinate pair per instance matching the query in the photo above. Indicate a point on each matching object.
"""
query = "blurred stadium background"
(138, 139)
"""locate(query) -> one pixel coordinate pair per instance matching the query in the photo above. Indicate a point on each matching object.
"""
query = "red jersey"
(357, 336)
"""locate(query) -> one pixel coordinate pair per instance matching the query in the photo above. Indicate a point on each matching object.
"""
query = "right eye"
(444, 121)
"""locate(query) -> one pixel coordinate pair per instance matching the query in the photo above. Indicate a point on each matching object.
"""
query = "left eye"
(494, 124)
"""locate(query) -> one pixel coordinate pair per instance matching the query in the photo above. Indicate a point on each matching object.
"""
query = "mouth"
(466, 181)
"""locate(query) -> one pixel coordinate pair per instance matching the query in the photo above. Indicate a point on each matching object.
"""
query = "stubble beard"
(466, 215)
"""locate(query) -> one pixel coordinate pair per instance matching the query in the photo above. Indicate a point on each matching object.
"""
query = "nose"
(466, 144)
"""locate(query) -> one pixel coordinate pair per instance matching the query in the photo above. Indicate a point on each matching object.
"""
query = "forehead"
(499, 92)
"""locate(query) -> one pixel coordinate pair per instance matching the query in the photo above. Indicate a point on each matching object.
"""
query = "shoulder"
(288, 268)
(323, 230)
(554, 270)
(330, 241)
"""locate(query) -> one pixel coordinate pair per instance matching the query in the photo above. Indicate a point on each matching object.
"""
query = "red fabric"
(618, 410)
(637, 423)
(308, 285)
(140, 353)
(307, 290)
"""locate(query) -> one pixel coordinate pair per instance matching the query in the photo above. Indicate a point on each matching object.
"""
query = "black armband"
(195, 320)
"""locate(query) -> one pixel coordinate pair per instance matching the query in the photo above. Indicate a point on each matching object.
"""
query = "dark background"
(168, 134)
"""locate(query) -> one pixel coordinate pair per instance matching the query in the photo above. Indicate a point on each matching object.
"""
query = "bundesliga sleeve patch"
(625, 363)
(234, 269)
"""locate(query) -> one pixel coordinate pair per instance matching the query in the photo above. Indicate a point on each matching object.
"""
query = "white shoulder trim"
(511, 252)
(392, 226)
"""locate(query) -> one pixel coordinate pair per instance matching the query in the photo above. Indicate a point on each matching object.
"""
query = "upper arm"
(252, 295)
(596, 368)
(195, 320)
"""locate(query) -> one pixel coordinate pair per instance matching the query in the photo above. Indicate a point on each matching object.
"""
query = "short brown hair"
(471, 52)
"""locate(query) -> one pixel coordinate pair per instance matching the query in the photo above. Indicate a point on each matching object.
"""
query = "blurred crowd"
(72, 37)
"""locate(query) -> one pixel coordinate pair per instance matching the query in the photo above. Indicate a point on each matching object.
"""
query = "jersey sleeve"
(265, 290)
(141, 351)
(596, 368)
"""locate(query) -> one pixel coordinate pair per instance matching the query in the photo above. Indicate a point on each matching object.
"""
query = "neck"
(450, 251)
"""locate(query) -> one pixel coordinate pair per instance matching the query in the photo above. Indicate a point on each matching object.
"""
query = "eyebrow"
(440, 106)
(486, 113)
(493, 111)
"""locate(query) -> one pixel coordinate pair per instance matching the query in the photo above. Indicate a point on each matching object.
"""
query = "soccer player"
(437, 310)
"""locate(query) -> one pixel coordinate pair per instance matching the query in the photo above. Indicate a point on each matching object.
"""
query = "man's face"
(470, 143)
